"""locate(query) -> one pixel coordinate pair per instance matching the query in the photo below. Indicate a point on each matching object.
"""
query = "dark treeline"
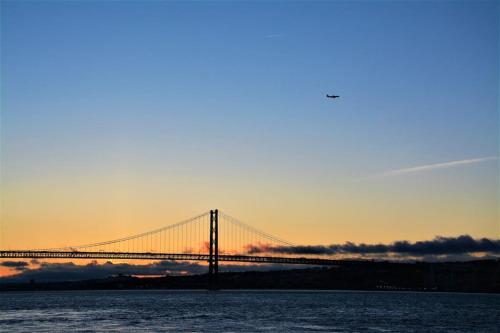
(474, 276)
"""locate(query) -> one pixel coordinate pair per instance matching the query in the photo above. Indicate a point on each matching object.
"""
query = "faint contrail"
(436, 166)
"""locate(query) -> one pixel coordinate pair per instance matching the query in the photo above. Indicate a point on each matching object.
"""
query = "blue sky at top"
(236, 90)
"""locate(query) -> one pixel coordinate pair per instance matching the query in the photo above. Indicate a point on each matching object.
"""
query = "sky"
(121, 117)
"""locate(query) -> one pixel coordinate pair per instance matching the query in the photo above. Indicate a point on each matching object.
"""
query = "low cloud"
(69, 271)
(460, 245)
(16, 265)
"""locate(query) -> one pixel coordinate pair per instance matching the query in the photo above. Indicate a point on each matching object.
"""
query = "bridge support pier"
(213, 259)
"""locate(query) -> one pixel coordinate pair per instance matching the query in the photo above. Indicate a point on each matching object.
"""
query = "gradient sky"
(119, 117)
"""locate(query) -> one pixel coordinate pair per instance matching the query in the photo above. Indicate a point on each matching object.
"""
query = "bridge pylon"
(213, 261)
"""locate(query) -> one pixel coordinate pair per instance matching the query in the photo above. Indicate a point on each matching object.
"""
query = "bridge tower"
(213, 261)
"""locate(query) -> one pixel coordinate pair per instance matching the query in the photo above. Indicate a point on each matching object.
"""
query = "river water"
(248, 311)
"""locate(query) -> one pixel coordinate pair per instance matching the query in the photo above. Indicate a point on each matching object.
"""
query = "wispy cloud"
(431, 167)
(274, 36)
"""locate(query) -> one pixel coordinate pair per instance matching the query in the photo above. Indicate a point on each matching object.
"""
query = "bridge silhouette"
(211, 237)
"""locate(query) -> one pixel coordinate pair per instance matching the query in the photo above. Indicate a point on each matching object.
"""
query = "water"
(248, 311)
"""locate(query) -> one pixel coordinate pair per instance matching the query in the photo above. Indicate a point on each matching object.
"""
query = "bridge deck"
(167, 256)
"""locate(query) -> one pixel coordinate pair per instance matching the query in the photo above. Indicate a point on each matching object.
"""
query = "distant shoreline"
(482, 276)
(254, 291)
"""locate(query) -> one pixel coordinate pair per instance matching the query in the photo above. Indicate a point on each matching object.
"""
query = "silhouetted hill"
(472, 276)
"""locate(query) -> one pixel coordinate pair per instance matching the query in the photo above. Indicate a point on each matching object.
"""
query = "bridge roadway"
(27, 254)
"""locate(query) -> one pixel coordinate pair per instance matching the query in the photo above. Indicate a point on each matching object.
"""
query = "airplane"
(332, 96)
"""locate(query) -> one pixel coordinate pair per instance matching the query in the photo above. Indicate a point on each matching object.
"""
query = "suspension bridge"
(212, 237)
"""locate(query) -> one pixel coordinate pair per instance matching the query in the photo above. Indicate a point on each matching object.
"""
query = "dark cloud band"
(464, 244)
